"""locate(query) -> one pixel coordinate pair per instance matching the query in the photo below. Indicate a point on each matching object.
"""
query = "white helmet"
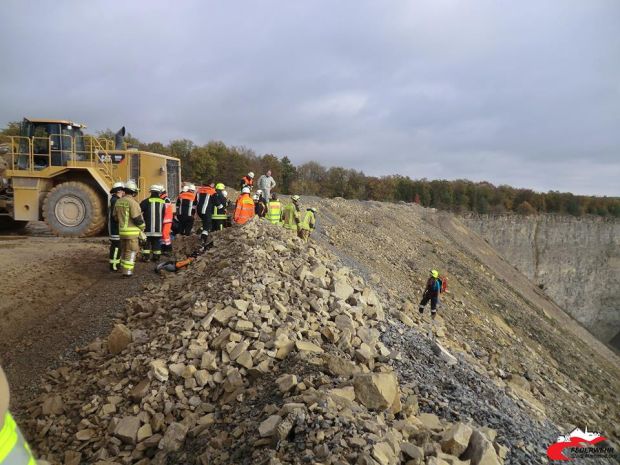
(245, 190)
(118, 185)
(259, 192)
(155, 188)
(295, 198)
(251, 174)
(131, 186)
(255, 197)
(185, 189)
(225, 194)
(192, 187)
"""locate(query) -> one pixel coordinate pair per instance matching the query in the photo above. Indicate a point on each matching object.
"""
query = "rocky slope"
(268, 350)
(575, 260)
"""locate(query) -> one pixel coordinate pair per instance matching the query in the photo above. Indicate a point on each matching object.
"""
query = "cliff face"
(575, 260)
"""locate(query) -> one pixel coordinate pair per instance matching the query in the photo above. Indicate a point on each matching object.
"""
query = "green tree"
(288, 175)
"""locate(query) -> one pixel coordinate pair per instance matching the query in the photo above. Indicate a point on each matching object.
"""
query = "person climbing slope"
(433, 288)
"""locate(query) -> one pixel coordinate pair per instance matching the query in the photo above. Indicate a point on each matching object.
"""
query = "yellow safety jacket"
(309, 221)
(290, 217)
(125, 210)
(274, 212)
(14, 449)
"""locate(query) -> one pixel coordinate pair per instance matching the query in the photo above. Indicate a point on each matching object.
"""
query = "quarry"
(270, 350)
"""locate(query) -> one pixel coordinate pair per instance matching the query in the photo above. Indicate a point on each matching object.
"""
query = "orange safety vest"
(244, 209)
(248, 181)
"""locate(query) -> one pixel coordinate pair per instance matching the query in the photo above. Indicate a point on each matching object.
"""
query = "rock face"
(576, 261)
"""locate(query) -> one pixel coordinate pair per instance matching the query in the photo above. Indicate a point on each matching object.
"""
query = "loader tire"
(74, 209)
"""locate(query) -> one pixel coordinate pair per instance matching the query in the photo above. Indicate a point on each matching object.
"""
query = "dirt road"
(56, 294)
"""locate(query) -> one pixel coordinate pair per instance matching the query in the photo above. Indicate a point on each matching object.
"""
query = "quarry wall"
(576, 261)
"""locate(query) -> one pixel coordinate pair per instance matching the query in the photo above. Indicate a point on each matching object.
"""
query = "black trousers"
(218, 224)
(206, 222)
(152, 248)
(186, 223)
(115, 254)
(434, 300)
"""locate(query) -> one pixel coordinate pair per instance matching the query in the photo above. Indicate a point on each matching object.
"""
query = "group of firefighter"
(155, 221)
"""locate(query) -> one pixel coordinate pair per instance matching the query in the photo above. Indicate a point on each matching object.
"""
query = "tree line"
(218, 162)
(215, 161)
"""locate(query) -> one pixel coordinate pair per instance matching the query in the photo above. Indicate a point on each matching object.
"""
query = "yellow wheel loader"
(54, 172)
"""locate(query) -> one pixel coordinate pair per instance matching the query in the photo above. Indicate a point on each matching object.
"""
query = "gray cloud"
(525, 94)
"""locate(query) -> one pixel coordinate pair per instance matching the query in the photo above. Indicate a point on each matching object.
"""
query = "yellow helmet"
(435, 273)
(220, 186)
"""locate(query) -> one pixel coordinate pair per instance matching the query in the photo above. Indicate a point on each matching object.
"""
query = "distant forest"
(218, 162)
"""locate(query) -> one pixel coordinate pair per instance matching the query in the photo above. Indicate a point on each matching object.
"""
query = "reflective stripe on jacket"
(274, 211)
(168, 211)
(219, 206)
(153, 213)
(125, 210)
(14, 449)
(185, 204)
(308, 222)
(290, 216)
(244, 210)
(202, 199)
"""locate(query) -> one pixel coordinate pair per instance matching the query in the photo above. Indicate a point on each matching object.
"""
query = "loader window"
(172, 178)
(134, 167)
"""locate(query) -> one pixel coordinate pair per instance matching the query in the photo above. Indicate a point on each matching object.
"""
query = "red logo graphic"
(577, 439)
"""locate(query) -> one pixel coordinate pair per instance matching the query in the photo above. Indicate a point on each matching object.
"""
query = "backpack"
(443, 283)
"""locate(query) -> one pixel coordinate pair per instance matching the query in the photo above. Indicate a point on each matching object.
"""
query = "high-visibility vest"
(290, 216)
(308, 222)
(14, 449)
(125, 210)
(274, 211)
(168, 211)
(244, 210)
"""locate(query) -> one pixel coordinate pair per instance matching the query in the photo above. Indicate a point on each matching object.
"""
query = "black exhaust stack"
(118, 139)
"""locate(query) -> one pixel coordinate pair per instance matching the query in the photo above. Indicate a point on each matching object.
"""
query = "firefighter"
(260, 209)
(203, 211)
(14, 450)
(130, 227)
(291, 215)
(247, 180)
(115, 241)
(166, 238)
(307, 224)
(153, 213)
(218, 208)
(244, 208)
(274, 210)
(433, 288)
(186, 210)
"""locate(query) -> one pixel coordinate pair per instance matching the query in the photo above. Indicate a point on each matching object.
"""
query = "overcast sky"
(519, 92)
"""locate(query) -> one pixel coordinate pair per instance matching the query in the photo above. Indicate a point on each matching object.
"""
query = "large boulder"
(119, 338)
(377, 391)
(456, 439)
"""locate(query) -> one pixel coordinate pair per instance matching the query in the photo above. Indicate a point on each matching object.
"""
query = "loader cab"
(53, 142)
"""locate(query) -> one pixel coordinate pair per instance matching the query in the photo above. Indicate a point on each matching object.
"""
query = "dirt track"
(57, 294)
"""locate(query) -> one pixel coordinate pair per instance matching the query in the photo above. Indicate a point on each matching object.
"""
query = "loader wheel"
(74, 209)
